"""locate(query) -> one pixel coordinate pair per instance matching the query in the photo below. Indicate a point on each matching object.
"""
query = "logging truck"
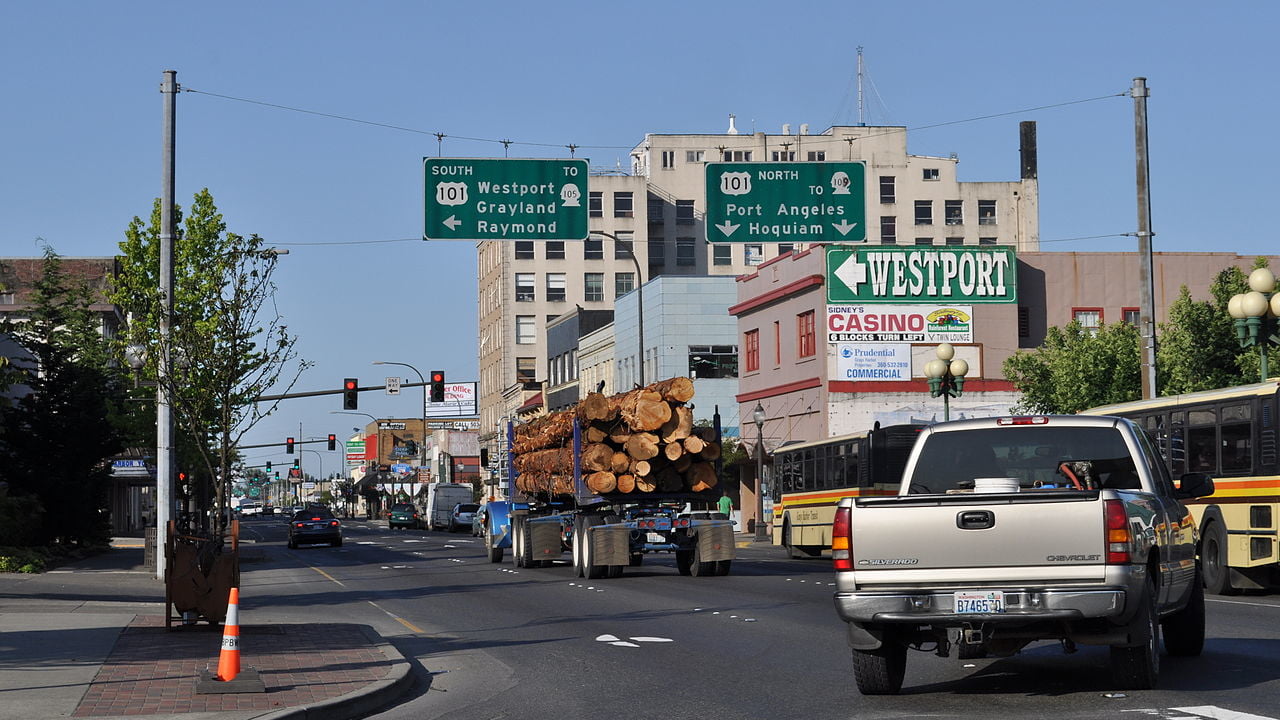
(616, 478)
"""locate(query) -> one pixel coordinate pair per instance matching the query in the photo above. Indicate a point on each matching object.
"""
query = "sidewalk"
(63, 656)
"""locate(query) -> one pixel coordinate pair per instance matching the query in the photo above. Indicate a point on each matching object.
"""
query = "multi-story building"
(658, 214)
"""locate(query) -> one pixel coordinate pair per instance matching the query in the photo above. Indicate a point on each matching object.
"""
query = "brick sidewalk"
(153, 671)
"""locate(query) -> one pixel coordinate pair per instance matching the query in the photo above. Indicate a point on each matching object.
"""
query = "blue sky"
(80, 128)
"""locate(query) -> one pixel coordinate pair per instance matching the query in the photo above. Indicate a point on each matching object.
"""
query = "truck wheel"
(1138, 667)
(495, 553)
(1184, 630)
(684, 561)
(520, 549)
(589, 566)
(880, 671)
(615, 571)
(637, 559)
(722, 567)
(578, 541)
(697, 567)
(1213, 558)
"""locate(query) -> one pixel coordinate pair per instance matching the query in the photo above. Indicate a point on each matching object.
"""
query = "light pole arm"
(639, 297)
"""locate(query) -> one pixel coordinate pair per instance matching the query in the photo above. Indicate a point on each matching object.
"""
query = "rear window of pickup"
(1038, 456)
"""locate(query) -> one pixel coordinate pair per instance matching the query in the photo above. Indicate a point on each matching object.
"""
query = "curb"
(358, 703)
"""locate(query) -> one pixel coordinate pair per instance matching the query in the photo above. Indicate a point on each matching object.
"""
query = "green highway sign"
(812, 202)
(500, 199)
(921, 275)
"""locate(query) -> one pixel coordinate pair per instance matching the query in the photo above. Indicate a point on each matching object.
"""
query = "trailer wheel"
(495, 553)
(637, 559)
(722, 567)
(578, 541)
(615, 571)
(697, 567)
(684, 559)
(522, 545)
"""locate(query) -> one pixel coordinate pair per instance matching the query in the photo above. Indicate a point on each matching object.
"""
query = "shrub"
(22, 560)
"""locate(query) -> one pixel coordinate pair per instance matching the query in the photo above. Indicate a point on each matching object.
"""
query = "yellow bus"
(1231, 434)
(810, 478)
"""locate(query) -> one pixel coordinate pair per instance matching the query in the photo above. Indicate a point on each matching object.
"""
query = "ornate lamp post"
(946, 376)
(1255, 315)
(757, 416)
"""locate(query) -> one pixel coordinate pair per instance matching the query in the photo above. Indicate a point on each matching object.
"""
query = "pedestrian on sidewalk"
(726, 507)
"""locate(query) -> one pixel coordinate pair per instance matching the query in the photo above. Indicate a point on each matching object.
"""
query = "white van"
(441, 497)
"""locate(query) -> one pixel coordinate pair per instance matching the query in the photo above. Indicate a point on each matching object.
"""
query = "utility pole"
(1146, 284)
(164, 415)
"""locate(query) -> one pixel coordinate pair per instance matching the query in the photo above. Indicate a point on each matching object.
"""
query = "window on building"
(623, 204)
(1024, 322)
(684, 212)
(713, 361)
(694, 155)
(721, 254)
(986, 241)
(624, 245)
(888, 194)
(955, 241)
(526, 370)
(526, 330)
(753, 254)
(551, 318)
(593, 248)
(924, 241)
(817, 156)
(657, 252)
(595, 204)
(954, 212)
(784, 156)
(784, 248)
(554, 249)
(593, 287)
(929, 174)
(1089, 318)
(924, 212)
(777, 343)
(806, 340)
(524, 287)
(751, 350)
(668, 159)
(686, 248)
(524, 249)
(1131, 315)
(986, 212)
(7, 298)
(888, 229)
(656, 210)
(623, 283)
(555, 287)
(737, 155)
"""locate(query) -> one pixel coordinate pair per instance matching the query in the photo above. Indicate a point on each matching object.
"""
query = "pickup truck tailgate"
(1030, 537)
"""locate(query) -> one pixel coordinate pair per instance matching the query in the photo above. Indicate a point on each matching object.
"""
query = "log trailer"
(631, 477)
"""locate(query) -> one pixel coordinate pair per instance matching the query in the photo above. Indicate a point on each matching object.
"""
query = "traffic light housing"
(437, 386)
(350, 394)
(295, 463)
(333, 441)
(288, 445)
(268, 466)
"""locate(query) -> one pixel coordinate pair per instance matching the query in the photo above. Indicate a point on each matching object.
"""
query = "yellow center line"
(412, 628)
(326, 575)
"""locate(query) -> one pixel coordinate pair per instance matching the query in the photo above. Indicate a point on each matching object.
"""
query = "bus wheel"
(1213, 559)
(793, 552)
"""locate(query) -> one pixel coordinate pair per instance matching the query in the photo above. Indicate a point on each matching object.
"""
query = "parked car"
(462, 516)
(314, 525)
(404, 515)
(250, 509)
(478, 520)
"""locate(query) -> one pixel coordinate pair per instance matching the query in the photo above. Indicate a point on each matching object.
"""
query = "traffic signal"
(288, 445)
(437, 386)
(295, 463)
(268, 466)
(350, 394)
(333, 441)
(277, 476)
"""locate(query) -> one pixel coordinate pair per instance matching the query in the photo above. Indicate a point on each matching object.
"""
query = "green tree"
(1077, 369)
(55, 441)
(227, 349)
(1197, 348)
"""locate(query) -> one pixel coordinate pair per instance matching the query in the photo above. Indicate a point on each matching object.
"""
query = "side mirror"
(1194, 485)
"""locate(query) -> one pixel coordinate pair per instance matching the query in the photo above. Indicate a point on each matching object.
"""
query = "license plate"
(972, 603)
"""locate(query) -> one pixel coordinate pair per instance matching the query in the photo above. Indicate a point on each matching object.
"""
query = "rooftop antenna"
(733, 130)
(862, 120)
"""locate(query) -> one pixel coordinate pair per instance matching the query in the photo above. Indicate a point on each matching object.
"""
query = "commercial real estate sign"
(858, 275)
(888, 362)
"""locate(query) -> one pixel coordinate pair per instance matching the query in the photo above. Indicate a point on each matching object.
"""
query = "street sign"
(811, 202)
(393, 386)
(500, 199)
(921, 275)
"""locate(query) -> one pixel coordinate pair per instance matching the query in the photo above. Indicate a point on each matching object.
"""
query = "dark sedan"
(314, 525)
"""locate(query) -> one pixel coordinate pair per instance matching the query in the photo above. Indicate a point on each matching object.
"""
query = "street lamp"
(946, 376)
(639, 295)
(1255, 315)
(757, 416)
(423, 438)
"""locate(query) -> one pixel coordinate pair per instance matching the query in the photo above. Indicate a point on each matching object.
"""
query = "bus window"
(1178, 444)
(1202, 442)
(1237, 439)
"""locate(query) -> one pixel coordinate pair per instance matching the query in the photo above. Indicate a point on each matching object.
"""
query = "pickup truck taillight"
(1119, 537)
(841, 553)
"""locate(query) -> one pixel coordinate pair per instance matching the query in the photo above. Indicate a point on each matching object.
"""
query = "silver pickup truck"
(1017, 529)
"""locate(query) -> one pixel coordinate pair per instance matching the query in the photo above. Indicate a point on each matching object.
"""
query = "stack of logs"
(638, 441)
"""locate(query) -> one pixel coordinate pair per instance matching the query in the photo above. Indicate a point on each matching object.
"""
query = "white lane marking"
(1241, 602)
(366, 542)
(1217, 713)
(652, 639)
(624, 643)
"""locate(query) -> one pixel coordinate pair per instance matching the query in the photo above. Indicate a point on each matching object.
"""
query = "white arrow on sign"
(453, 222)
(727, 228)
(851, 272)
(844, 226)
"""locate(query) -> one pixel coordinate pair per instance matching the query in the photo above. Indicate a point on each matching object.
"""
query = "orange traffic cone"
(229, 658)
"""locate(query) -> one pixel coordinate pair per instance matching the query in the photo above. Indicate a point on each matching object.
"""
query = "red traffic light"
(349, 384)
(333, 441)
(437, 376)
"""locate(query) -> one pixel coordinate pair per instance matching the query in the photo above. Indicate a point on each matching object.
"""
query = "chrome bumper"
(938, 607)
